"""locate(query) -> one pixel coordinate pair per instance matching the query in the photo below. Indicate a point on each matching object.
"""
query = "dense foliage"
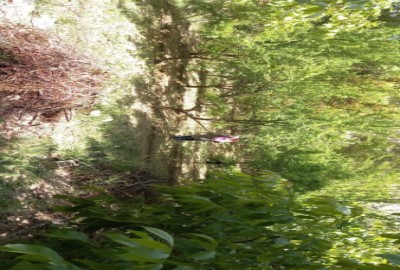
(312, 87)
(315, 97)
(227, 222)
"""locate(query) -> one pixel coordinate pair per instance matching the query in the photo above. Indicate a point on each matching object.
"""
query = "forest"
(95, 97)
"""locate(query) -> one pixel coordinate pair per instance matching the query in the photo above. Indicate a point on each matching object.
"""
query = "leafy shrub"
(227, 222)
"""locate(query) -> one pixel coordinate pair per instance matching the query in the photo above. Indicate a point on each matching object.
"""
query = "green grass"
(23, 163)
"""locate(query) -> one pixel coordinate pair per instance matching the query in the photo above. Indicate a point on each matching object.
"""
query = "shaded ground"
(30, 176)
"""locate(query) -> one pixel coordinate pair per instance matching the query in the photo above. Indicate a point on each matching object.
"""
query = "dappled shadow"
(29, 176)
(129, 142)
(166, 47)
(137, 136)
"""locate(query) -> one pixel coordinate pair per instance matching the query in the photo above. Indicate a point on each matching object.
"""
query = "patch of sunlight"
(189, 101)
(17, 11)
(71, 136)
(99, 29)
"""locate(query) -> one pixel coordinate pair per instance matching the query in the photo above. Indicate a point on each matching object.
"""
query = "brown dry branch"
(139, 182)
(41, 77)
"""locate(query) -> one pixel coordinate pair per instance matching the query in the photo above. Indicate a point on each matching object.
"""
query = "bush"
(227, 222)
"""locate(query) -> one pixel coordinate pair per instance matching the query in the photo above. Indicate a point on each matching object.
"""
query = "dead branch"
(42, 77)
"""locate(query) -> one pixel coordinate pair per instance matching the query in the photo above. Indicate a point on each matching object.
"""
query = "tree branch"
(238, 121)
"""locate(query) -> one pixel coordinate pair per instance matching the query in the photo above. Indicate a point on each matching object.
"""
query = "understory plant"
(234, 221)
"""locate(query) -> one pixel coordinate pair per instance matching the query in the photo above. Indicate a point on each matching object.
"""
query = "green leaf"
(392, 258)
(142, 235)
(33, 258)
(320, 4)
(315, 245)
(391, 235)
(143, 255)
(150, 267)
(149, 243)
(69, 235)
(122, 239)
(184, 268)
(196, 199)
(349, 262)
(65, 266)
(203, 255)
(205, 241)
(162, 234)
(42, 254)
(95, 265)
(282, 241)
(313, 10)
(24, 265)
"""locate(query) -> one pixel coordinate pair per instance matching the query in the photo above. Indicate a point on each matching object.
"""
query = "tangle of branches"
(41, 77)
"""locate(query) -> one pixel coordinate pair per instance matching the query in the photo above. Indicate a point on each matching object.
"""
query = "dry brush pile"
(41, 78)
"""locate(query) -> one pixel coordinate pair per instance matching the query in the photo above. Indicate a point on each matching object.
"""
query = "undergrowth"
(232, 221)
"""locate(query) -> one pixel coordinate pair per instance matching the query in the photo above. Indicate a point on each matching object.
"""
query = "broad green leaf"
(243, 175)
(64, 266)
(392, 258)
(122, 239)
(315, 245)
(142, 235)
(33, 258)
(195, 198)
(205, 241)
(313, 10)
(282, 241)
(143, 255)
(203, 255)
(149, 243)
(70, 235)
(391, 235)
(150, 267)
(95, 265)
(162, 234)
(41, 253)
(24, 265)
(320, 3)
(349, 262)
(184, 268)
